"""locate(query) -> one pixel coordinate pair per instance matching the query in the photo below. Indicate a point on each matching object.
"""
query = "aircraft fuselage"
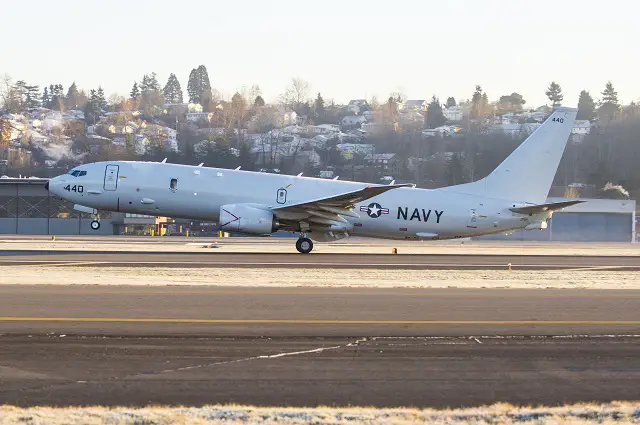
(184, 191)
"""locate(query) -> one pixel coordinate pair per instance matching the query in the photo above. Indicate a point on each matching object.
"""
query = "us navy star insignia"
(374, 210)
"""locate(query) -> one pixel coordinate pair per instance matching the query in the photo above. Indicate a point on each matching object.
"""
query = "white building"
(379, 158)
(357, 106)
(353, 120)
(453, 113)
(350, 149)
(511, 130)
(582, 127)
(418, 105)
(197, 116)
(327, 128)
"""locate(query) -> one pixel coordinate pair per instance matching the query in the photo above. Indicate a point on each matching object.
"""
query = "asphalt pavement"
(212, 259)
(120, 345)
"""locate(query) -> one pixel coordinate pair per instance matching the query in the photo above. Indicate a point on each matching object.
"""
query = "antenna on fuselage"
(238, 167)
(336, 177)
(164, 161)
(299, 175)
(201, 164)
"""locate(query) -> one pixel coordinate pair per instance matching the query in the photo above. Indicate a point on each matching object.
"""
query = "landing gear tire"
(304, 245)
(95, 225)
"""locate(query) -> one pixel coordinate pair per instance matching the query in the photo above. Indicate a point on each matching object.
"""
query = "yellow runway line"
(320, 321)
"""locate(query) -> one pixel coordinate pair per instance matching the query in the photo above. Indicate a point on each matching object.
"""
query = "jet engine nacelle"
(243, 218)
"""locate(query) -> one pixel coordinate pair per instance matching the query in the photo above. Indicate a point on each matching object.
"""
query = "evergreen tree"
(72, 99)
(609, 95)
(194, 90)
(203, 76)
(586, 106)
(455, 170)
(100, 99)
(554, 93)
(151, 98)
(56, 97)
(199, 87)
(135, 91)
(92, 109)
(435, 117)
(259, 101)
(451, 101)
(46, 100)
(609, 106)
(484, 104)
(318, 106)
(172, 90)
(477, 109)
(29, 95)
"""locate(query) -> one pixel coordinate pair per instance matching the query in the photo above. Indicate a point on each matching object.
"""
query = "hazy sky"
(345, 49)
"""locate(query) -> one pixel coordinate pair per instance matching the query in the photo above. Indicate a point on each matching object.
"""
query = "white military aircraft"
(512, 197)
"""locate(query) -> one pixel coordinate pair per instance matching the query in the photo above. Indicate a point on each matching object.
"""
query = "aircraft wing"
(328, 211)
(537, 209)
(345, 200)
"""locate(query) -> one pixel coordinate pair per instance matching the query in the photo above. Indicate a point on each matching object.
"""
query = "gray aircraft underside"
(511, 197)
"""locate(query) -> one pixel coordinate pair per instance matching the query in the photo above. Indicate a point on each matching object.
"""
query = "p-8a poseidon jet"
(512, 197)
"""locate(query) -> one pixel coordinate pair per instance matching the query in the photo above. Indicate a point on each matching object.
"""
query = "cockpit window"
(77, 173)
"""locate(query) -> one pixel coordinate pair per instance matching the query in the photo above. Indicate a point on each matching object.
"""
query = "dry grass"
(69, 275)
(611, 413)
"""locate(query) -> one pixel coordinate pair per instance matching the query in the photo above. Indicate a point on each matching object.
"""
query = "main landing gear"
(304, 245)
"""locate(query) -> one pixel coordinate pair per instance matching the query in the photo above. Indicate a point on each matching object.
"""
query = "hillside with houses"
(423, 141)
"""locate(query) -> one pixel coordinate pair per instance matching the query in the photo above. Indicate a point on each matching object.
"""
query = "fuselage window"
(173, 185)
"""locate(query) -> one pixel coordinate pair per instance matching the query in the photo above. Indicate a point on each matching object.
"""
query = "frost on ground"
(346, 246)
(70, 275)
(611, 413)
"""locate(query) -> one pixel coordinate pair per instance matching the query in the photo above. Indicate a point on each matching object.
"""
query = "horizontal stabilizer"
(537, 209)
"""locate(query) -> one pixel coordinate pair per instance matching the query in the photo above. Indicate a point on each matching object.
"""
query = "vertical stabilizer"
(527, 174)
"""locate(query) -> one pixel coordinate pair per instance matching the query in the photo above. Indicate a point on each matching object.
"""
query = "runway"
(212, 259)
(310, 346)
(245, 311)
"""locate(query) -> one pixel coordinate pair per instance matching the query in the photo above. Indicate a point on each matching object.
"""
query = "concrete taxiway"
(99, 258)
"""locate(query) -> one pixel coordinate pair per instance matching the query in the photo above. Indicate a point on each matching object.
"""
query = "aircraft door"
(111, 177)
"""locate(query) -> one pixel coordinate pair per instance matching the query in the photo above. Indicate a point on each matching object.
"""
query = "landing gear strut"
(304, 245)
(95, 224)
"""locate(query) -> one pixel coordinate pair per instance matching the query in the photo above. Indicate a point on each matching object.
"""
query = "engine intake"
(248, 219)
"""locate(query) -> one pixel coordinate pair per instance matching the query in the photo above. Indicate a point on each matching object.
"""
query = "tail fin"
(527, 174)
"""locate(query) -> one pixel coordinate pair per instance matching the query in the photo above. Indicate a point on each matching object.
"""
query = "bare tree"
(374, 103)
(10, 96)
(296, 94)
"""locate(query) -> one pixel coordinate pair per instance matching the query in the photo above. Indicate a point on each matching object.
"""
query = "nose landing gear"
(95, 224)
